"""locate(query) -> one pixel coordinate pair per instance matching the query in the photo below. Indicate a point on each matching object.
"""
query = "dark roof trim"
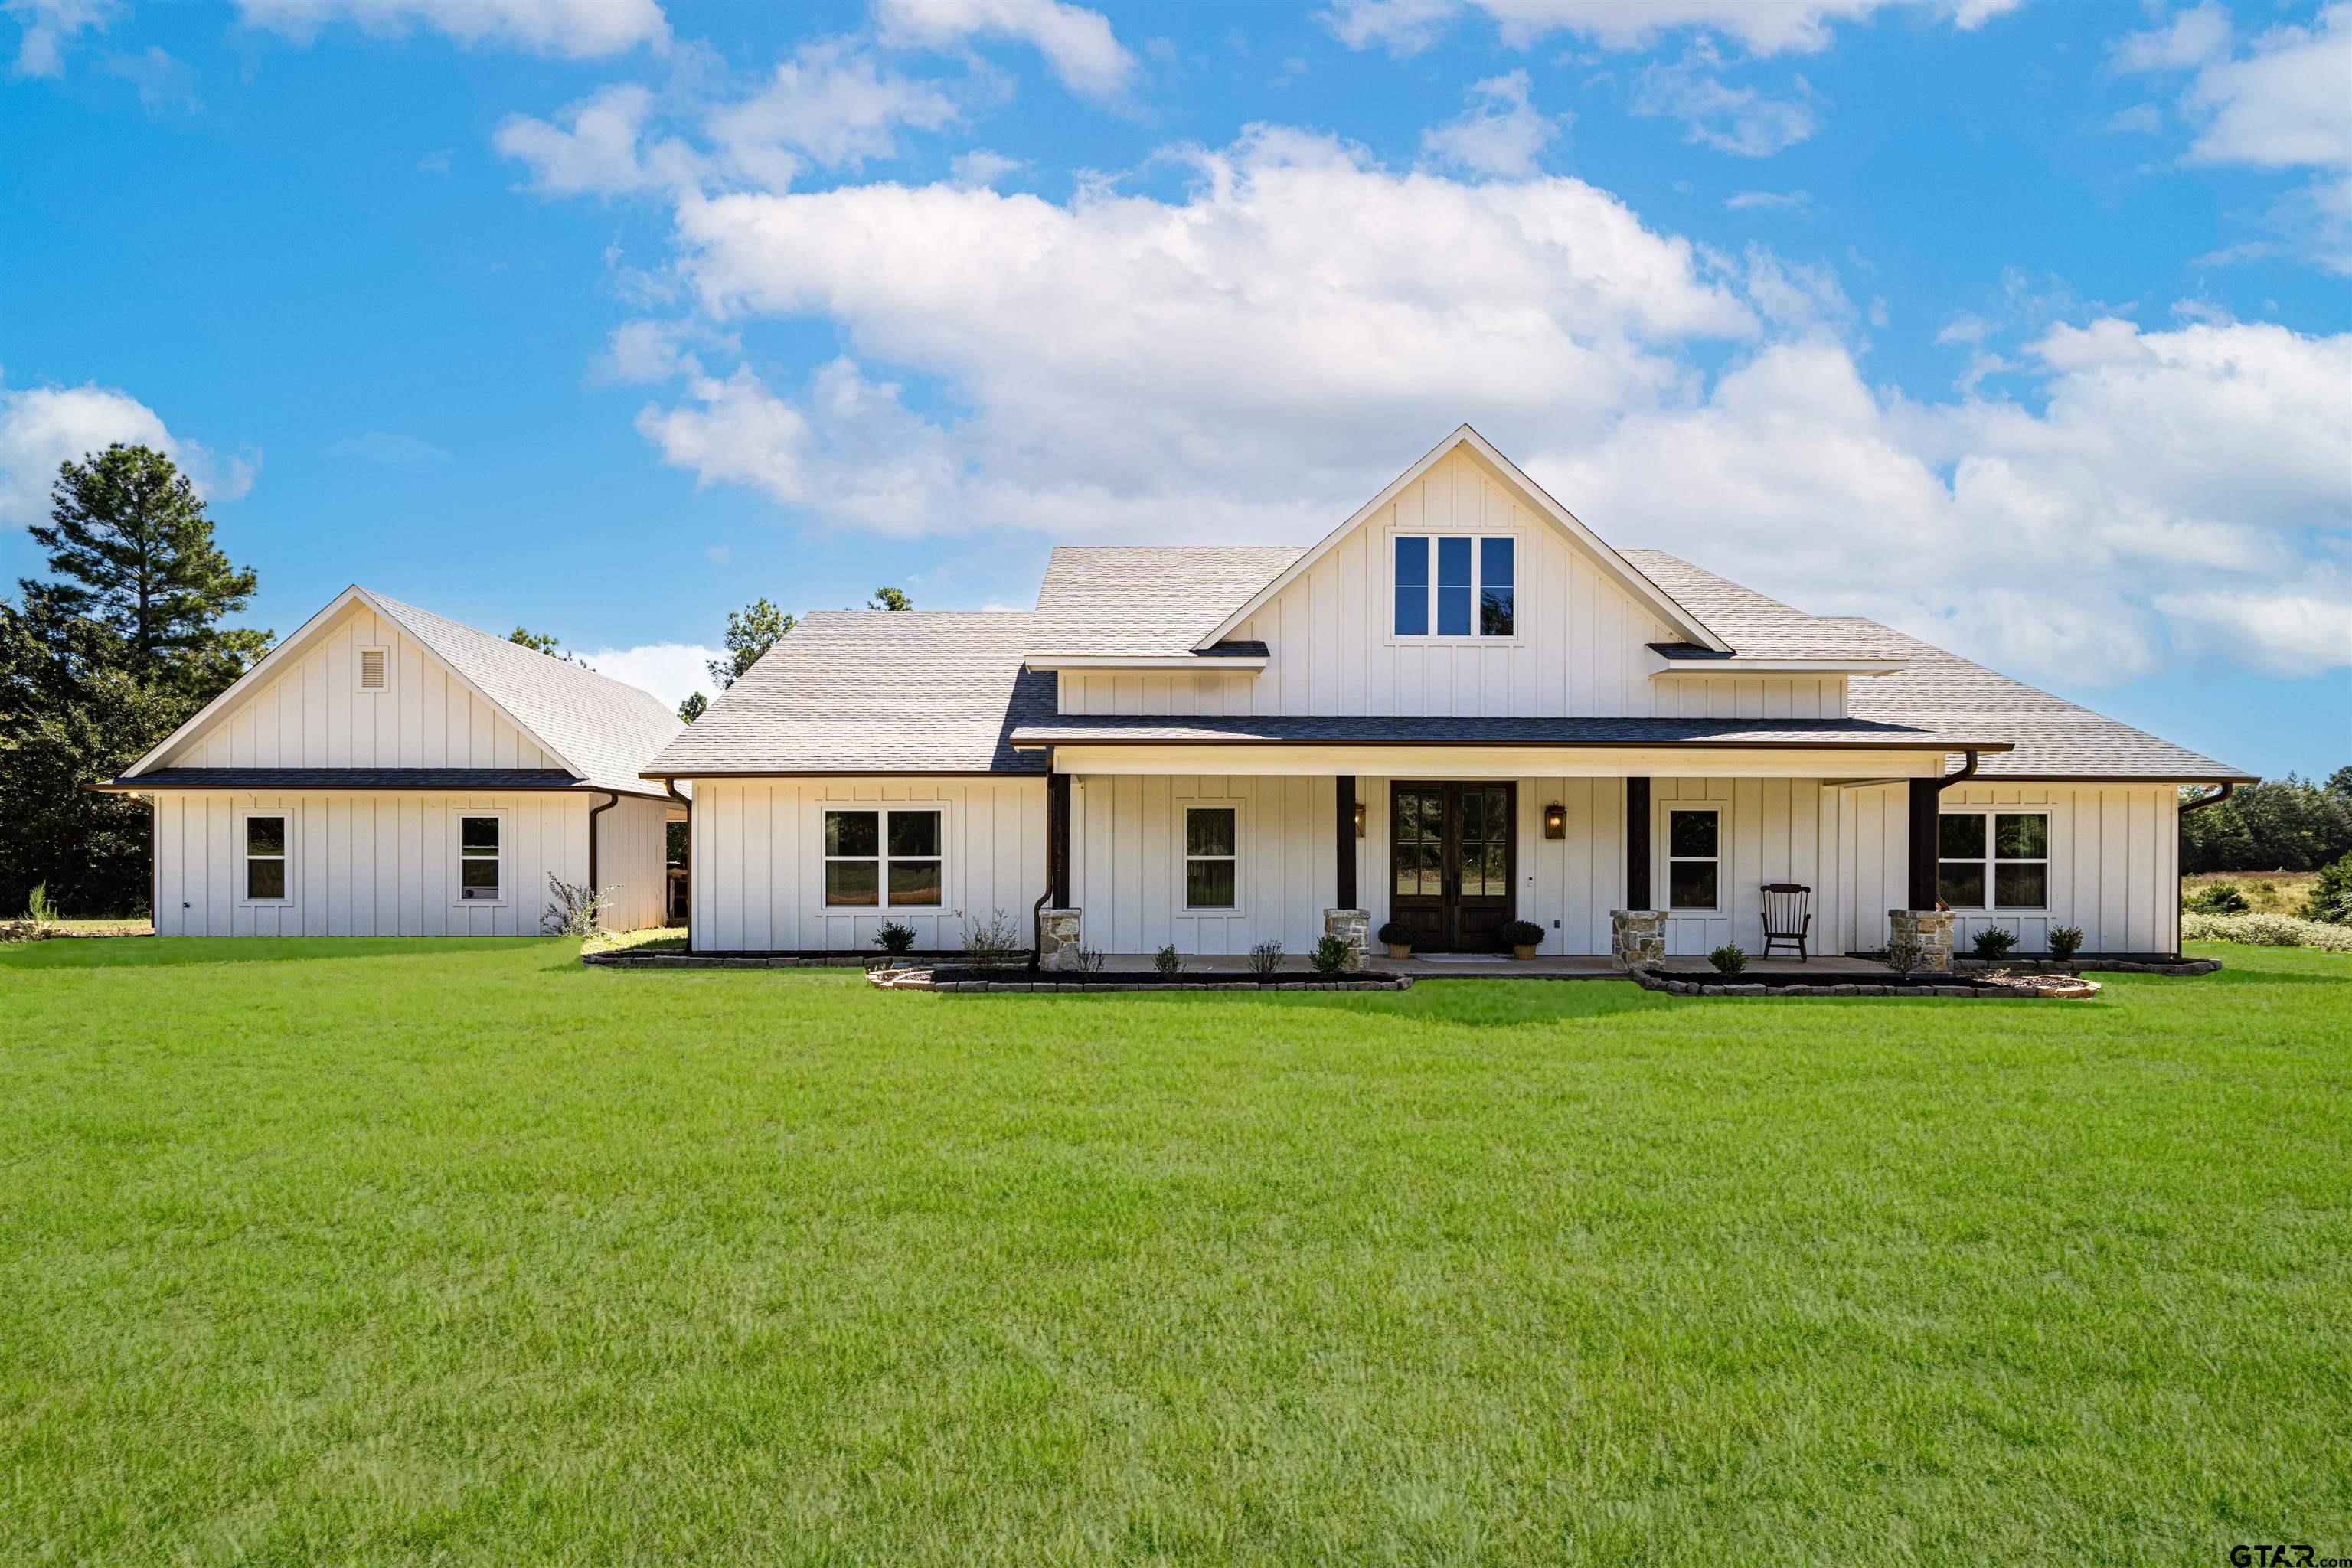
(1701, 743)
(1687, 650)
(2156, 778)
(1234, 649)
(877, 773)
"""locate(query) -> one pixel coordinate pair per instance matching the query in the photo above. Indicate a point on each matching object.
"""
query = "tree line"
(2279, 825)
(752, 631)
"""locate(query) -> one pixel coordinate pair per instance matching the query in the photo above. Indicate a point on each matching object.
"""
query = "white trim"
(359, 668)
(1666, 838)
(1473, 638)
(1378, 760)
(1991, 860)
(1612, 564)
(1199, 663)
(882, 811)
(1664, 669)
(292, 818)
(457, 857)
(1185, 856)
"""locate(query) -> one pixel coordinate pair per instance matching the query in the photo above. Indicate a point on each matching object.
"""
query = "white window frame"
(1992, 860)
(359, 663)
(292, 820)
(1474, 639)
(457, 857)
(1667, 861)
(1185, 856)
(880, 859)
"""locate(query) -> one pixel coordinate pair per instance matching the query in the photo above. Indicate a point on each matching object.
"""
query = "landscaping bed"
(964, 979)
(1995, 984)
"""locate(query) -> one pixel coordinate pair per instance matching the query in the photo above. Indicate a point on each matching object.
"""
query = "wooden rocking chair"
(1788, 916)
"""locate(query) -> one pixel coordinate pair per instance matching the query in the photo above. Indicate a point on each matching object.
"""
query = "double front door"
(1452, 863)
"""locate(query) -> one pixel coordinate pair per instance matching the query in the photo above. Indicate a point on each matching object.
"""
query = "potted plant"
(1521, 937)
(1399, 939)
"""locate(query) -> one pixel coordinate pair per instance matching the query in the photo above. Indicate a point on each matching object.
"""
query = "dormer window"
(1457, 585)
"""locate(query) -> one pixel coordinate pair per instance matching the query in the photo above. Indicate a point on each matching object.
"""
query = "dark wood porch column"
(1344, 796)
(1057, 840)
(1925, 826)
(1637, 844)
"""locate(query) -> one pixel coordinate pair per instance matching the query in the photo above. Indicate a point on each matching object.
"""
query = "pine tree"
(751, 632)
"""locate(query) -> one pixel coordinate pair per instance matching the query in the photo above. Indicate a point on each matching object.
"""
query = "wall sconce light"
(1359, 819)
(1555, 821)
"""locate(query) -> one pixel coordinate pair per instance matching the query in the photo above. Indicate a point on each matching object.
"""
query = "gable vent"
(372, 670)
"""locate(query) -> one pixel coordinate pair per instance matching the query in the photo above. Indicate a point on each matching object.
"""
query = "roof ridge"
(495, 641)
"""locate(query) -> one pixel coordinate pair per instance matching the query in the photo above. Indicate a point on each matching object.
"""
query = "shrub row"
(2267, 931)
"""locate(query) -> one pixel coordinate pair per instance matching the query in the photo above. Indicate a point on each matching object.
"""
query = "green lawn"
(448, 1251)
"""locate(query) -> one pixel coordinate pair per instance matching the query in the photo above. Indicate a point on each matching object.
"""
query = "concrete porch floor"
(1500, 965)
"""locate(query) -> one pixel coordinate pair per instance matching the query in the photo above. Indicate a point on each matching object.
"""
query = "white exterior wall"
(362, 865)
(758, 870)
(311, 714)
(1581, 651)
(2114, 865)
(633, 862)
(1771, 830)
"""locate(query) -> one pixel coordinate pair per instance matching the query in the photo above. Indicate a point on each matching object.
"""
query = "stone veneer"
(1931, 929)
(1637, 936)
(1353, 927)
(1057, 939)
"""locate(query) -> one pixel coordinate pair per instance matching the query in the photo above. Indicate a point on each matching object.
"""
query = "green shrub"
(1169, 962)
(2218, 899)
(1330, 955)
(993, 942)
(573, 908)
(2065, 942)
(1397, 934)
(1520, 934)
(2331, 896)
(1728, 958)
(895, 938)
(1264, 959)
(2267, 931)
(1994, 941)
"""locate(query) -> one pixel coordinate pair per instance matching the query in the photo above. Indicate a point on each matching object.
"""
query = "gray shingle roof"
(1150, 601)
(881, 692)
(296, 780)
(1078, 729)
(604, 727)
(1939, 691)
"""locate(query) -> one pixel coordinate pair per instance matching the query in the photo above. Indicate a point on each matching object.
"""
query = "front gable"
(315, 701)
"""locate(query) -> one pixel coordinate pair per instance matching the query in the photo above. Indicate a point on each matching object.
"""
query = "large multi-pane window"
(883, 856)
(1211, 857)
(266, 859)
(1693, 859)
(1454, 586)
(1993, 860)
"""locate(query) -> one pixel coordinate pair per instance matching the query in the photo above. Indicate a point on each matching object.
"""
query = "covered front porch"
(1214, 850)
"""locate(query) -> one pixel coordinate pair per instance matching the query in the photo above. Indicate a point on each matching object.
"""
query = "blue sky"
(2025, 327)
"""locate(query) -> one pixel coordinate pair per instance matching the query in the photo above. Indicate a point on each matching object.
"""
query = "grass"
(457, 1252)
(2265, 892)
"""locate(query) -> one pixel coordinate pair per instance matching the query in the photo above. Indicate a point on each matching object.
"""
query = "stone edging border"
(1651, 980)
(2182, 967)
(919, 979)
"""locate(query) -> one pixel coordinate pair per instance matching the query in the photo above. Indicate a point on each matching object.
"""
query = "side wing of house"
(356, 784)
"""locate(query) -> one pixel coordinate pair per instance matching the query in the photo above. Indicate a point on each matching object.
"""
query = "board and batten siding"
(2115, 860)
(362, 864)
(1771, 830)
(633, 863)
(1581, 651)
(311, 714)
(758, 865)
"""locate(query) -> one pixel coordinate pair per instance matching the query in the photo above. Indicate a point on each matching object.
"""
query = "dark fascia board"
(853, 772)
(2173, 778)
(1835, 744)
(177, 779)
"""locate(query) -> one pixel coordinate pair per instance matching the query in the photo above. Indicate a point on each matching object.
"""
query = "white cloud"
(2139, 120)
(982, 167)
(49, 26)
(2285, 104)
(566, 29)
(829, 105)
(1761, 27)
(671, 671)
(595, 147)
(1077, 43)
(1499, 133)
(1770, 201)
(42, 427)
(2285, 632)
(1743, 120)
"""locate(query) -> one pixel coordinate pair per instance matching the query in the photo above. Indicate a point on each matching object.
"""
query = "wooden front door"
(1452, 861)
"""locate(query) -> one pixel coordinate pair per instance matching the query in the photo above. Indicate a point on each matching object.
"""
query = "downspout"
(2200, 803)
(1967, 772)
(611, 799)
(1924, 814)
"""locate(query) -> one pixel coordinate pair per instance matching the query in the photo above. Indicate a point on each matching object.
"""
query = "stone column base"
(1930, 929)
(1637, 936)
(1057, 939)
(1353, 927)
